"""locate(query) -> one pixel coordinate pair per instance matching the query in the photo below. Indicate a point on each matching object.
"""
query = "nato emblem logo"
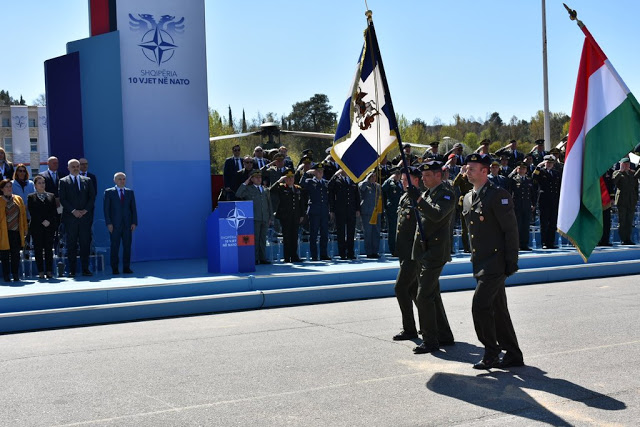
(157, 41)
(19, 122)
(236, 218)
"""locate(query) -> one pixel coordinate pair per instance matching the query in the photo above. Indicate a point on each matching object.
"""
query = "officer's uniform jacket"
(626, 188)
(344, 196)
(318, 193)
(493, 231)
(522, 192)
(406, 228)
(287, 201)
(262, 210)
(548, 182)
(436, 209)
(392, 191)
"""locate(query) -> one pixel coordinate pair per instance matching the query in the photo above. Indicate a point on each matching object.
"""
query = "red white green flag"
(605, 127)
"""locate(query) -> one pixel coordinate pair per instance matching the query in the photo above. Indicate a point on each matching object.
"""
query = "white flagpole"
(545, 80)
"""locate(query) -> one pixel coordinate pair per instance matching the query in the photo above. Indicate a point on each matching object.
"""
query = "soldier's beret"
(539, 142)
(625, 160)
(484, 159)
(415, 172)
(289, 172)
(433, 165)
(550, 157)
(255, 172)
(405, 146)
(485, 141)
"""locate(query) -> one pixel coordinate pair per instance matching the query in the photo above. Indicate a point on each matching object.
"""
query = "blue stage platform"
(177, 288)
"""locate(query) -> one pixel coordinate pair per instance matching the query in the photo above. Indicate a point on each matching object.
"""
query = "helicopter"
(271, 130)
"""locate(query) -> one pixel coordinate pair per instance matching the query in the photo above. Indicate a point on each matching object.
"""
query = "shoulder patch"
(447, 197)
(505, 201)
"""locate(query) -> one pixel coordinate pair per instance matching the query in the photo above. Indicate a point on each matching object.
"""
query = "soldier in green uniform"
(626, 182)
(392, 191)
(286, 198)
(407, 281)
(436, 206)
(488, 211)
(521, 188)
(464, 186)
(253, 190)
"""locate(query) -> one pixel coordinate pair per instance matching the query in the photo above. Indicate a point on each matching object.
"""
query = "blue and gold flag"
(367, 128)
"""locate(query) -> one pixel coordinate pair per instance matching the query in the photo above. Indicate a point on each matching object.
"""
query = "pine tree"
(230, 118)
(244, 122)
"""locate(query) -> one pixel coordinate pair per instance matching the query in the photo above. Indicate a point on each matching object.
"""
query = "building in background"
(23, 135)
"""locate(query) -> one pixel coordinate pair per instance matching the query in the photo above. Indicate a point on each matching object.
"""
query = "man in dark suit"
(121, 217)
(344, 207)
(243, 174)
(52, 177)
(231, 165)
(77, 198)
(84, 171)
(488, 211)
(436, 206)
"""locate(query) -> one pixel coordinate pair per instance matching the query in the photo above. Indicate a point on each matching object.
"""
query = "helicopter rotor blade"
(236, 135)
(309, 134)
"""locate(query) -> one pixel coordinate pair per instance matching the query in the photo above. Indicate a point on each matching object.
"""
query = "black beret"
(415, 172)
(484, 159)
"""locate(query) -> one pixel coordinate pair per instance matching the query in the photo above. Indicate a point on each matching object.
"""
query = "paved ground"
(335, 365)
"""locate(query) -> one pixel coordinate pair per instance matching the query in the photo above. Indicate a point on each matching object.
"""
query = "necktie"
(239, 164)
(76, 182)
(474, 196)
(121, 195)
(55, 177)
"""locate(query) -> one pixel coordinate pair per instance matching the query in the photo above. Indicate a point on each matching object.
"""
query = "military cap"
(434, 143)
(395, 169)
(550, 157)
(512, 141)
(504, 156)
(278, 156)
(255, 172)
(405, 146)
(554, 150)
(521, 164)
(484, 159)
(485, 141)
(305, 159)
(433, 165)
(415, 172)
(307, 152)
(457, 145)
(625, 160)
(495, 163)
(539, 142)
(318, 165)
(288, 172)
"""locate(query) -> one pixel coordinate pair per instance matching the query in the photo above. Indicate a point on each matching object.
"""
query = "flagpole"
(545, 80)
(392, 113)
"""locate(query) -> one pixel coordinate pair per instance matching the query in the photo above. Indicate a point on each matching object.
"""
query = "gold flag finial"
(573, 15)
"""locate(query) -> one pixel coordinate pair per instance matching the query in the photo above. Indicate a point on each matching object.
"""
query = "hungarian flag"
(367, 127)
(605, 127)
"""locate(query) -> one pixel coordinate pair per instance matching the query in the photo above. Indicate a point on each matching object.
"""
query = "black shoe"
(115, 271)
(87, 273)
(554, 246)
(404, 336)
(545, 247)
(48, 275)
(314, 259)
(444, 343)
(325, 258)
(264, 261)
(16, 278)
(296, 259)
(510, 361)
(352, 257)
(527, 249)
(127, 271)
(488, 363)
(628, 243)
(426, 348)
(7, 278)
(373, 256)
(72, 274)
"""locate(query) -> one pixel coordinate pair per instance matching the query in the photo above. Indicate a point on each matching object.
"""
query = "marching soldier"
(548, 180)
(522, 193)
(626, 182)
(392, 191)
(318, 212)
(344, 208)
(488, 211)
(287, 203)
(436, 206)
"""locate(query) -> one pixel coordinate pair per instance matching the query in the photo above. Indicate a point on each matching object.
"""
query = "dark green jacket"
(436, 209)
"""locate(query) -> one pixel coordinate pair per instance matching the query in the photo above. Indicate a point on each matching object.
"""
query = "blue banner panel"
(64, 107)
(101, 93)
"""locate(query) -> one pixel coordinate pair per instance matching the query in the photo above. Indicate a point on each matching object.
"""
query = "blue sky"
(441, 58)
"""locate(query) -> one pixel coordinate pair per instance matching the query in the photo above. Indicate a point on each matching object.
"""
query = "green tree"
(230, 118)
(313, 115)
(244, 122)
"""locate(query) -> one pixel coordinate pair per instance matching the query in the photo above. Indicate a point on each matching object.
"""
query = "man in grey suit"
(253, 190)
(77, 198)
(121, 217)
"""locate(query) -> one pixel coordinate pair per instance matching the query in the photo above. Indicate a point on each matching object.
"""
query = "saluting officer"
(411, 158)
(344, 206)
(488, 211)
(392, 191)
(461, 182)
(626, 182)
(318, 211)
(523, 195)
(436, 206)
(406, 287)
(538, 152)
(548, 180)
(286, 198)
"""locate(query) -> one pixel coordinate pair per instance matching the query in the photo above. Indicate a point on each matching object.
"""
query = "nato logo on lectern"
(236, 218)
(157, 41)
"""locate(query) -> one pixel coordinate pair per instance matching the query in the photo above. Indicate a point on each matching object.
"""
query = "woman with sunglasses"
(13, 229)
(22, 185)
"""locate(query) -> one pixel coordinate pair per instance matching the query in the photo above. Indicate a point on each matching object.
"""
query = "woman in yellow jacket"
(13, 229)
